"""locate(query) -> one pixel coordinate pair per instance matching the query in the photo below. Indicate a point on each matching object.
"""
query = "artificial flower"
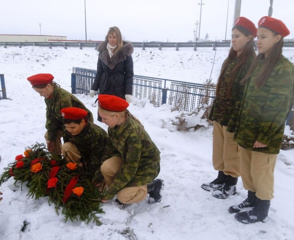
(27, 152)
(78, 191)
(19, 164)
(36, 167)
(19, 157)
(71, 166)
(53, 162)
(52, 182)
(35, 161)
(11, 172)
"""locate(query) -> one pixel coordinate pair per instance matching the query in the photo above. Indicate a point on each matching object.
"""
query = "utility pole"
(227, 21)
(40, 28)
(85, 20)
(270, 10)
(237, 10)
(195, 31)
(200, 18)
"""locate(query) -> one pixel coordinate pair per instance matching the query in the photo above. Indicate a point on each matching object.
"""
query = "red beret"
(275, 25)
(41, 78)
(246, 23)
(112, 103)
(73, 113)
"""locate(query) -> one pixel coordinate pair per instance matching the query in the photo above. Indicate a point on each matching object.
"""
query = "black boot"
(228, 189)
(217, 183)
(154, 190)
(257, 214)
(247, 203)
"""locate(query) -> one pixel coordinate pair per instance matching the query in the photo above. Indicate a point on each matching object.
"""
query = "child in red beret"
(56, 98)
(268, 99)
(84, 142)
(131, 176)
(229, 91)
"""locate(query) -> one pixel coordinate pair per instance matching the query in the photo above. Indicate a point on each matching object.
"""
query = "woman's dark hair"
(274, 56)
(247, 53)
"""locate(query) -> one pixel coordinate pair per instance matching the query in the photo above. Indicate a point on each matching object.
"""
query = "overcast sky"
(139, 20)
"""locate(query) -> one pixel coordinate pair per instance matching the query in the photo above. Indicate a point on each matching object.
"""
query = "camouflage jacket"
(60, 99)
(223, 108)
(141, 157)
(264, 109)
(93, 144)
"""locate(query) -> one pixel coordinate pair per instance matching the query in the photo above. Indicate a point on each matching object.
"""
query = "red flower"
(19, 157)
(52, 182)
(11, 172)
(53, 162)
(35, 161)
(19, 164)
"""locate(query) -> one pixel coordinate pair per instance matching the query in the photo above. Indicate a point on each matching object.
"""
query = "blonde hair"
(122, 114)
(117, 32)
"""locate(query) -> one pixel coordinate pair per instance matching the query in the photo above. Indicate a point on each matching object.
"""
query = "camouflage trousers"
(127, 195)
(257, 172)
(57, 142)
(226, 152)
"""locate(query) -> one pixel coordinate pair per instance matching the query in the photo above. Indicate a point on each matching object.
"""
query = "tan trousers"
(70, 152)
(226, 152)
(128, 195)
(257, 172)
(57, 142)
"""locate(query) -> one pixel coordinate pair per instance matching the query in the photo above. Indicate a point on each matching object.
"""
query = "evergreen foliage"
(68, 187)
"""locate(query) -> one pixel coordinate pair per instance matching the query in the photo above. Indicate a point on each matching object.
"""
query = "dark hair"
(274, 56)
(45, 85)
(77, 121)
(247, 53)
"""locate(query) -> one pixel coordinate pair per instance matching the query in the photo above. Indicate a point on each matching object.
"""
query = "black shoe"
(247, 203)
(154, 190)
(120, 205)
(258, 214)
(228, 189)
(216, 184)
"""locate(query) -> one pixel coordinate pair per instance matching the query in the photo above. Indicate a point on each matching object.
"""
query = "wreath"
(67, 185)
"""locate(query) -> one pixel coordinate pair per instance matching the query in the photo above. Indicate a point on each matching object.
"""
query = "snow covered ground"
(186, 211)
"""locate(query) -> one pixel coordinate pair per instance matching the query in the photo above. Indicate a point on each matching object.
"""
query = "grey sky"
(139, 20)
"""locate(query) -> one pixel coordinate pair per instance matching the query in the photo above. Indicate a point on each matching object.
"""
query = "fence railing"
(184, 96)
(143, 45)
(3, 88)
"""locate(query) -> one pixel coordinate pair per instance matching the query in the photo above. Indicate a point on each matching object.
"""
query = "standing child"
(268, 98)
(132, 175)
(226, 154)
(56, 98)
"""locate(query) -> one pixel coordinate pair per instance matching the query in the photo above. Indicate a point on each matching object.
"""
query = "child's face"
(45, 92)
(75, 128)
(266, 40)
(111, 120)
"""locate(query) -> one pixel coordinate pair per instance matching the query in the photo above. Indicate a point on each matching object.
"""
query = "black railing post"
(73, 83)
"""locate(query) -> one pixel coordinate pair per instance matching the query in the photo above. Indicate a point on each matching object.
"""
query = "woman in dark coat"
(115, 67)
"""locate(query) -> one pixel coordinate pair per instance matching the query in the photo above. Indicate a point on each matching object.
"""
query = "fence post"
(177, 47)
(195, 46)
(164, 93)
(73, 83)
(3, 86)
(143, 46)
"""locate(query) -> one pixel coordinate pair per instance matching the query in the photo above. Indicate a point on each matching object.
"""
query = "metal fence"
(184, 96)
(3, 88)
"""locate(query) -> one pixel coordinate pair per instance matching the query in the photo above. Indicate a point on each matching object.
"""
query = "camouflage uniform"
(93, 145)
(60, 99)
(223, 108)
(264, 109)
(140, 156)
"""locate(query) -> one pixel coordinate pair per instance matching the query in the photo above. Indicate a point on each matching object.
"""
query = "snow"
(186, 211)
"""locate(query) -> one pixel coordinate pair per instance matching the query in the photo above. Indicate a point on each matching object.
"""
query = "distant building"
(31, 38)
